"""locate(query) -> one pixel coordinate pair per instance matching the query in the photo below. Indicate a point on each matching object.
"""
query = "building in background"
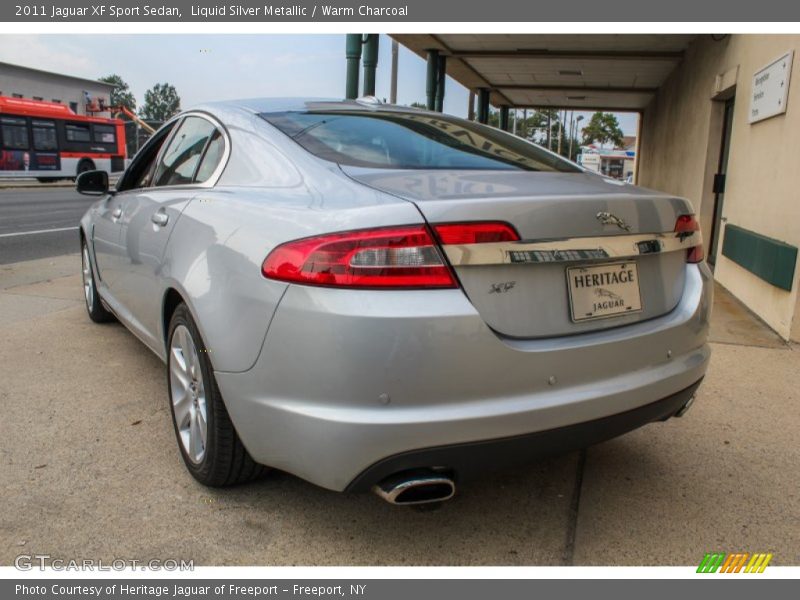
(618, 163)
(75, 92)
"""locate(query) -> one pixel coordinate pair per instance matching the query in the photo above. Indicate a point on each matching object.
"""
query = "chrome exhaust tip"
(685, 408)
(415, 487)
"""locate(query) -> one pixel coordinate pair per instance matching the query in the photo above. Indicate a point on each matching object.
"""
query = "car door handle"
(160, 218)
(117, 213)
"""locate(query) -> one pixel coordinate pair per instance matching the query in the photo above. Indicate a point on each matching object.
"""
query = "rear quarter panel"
(215, 253)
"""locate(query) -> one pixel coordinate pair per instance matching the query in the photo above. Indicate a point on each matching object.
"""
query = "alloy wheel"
(188, 394)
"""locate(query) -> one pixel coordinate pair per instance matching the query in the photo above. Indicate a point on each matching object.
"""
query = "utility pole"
(560, 132)
(393, 87)
(549, 130)
(571, 133)
(525, 123)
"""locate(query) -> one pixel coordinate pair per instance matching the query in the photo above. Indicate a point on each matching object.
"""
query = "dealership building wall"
(681, 136)
(23, 82)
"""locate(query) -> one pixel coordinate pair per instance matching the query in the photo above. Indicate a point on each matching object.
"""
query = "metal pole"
(431, 79)
(514, 121)
(353, 55)
(525, 123)
(549, 130)
(393, 87)
(441, 73)
(560, 133)
(370, 63)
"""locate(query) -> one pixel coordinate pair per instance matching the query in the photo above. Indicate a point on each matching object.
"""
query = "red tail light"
(475, 233)
(392, 257)
(688, 224)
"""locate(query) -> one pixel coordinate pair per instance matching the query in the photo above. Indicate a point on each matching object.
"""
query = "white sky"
(218, 67)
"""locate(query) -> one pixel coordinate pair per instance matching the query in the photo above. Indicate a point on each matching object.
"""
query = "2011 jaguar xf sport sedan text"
(377, 297)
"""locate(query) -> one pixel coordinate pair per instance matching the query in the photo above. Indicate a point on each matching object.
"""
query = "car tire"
(94, 305)
(208, 442)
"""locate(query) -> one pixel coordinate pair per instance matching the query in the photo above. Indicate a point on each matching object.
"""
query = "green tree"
(537, 123)
(603, 128)
(160, 103)
(418, 105)
(121, 95)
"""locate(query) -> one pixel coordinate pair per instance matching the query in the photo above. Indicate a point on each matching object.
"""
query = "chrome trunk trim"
(571, 249)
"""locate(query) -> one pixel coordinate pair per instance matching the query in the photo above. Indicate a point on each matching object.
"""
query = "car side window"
(180, 160)
(211, 158)
(140, 173)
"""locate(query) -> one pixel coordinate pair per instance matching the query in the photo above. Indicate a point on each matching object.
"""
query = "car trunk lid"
(592, 252)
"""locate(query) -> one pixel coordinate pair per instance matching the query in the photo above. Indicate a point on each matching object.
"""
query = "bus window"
(77, 132)
(44, 135)
(104, 134)
(15, 133)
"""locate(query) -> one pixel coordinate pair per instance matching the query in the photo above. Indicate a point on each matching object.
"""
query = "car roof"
(268, 105)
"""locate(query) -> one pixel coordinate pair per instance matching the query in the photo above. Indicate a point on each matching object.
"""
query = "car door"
(184, 167)
(108, 245)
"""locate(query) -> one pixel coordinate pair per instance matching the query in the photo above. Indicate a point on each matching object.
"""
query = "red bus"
(48, 141)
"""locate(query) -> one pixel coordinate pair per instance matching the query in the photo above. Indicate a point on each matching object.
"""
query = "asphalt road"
(39, 223)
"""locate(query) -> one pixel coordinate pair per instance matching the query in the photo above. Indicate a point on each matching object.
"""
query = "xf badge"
(501, 288)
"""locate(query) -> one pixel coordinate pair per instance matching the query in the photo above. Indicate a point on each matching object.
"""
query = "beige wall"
(680, 149)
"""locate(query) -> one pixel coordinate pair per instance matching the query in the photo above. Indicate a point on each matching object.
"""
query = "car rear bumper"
(466, 460)
(349, 382)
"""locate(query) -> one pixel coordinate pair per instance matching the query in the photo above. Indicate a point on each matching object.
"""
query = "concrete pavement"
(91, 467)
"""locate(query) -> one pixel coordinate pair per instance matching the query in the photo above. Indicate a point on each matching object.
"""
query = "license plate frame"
(621, 297)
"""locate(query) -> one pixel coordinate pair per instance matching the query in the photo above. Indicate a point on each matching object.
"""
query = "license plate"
(602, 291)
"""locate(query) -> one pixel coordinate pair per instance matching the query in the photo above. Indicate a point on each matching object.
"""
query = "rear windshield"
(391, 140)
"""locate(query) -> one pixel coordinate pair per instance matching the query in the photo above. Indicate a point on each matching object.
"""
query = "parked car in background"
(377, 297)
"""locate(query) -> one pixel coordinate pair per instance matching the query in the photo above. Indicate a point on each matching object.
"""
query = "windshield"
(394, 140)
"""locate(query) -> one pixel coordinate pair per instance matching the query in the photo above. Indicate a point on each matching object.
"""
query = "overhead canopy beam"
(575, 88)
(580, 107)
(570, 54)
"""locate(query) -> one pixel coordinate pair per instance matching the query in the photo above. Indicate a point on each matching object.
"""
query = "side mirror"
(92, 183)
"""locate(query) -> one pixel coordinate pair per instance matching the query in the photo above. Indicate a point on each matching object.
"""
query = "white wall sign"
(771, 89)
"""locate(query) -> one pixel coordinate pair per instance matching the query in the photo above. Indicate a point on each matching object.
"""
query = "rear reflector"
(685, 225)
(483, 232)
(391, 257)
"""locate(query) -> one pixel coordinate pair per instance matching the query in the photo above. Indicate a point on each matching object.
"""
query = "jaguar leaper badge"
(606, 218)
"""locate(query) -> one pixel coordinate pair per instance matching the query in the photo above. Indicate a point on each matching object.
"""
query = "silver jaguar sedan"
(377, 297)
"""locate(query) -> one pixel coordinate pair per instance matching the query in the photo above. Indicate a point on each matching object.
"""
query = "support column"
(432, 79)
(483, 105)
(370, 63)
(441, 74)
(504, 118)
(471, 106)
(353, 55)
